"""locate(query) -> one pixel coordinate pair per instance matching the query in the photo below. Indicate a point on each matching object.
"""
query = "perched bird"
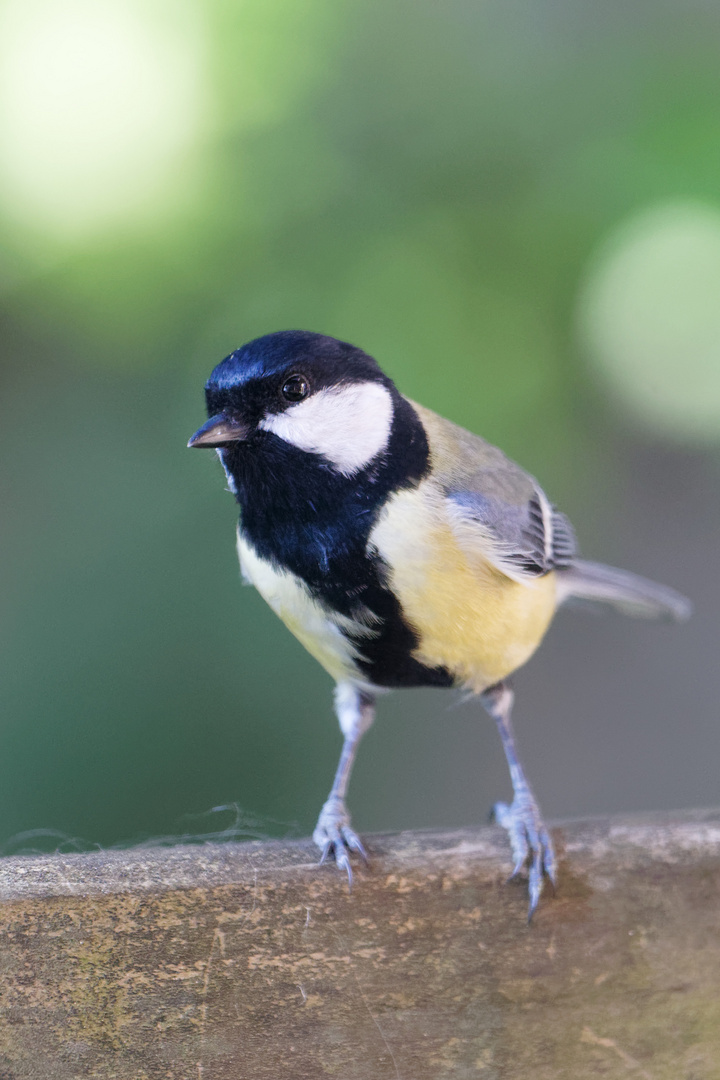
(400, 549)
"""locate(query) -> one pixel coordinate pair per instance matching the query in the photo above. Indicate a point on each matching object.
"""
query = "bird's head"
(317, 395)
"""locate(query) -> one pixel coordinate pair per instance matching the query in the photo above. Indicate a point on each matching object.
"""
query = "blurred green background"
(515, 206)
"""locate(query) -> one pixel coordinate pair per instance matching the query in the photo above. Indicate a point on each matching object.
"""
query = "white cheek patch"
(348, 425)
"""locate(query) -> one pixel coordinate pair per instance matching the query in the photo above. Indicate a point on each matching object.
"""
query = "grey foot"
(334, 836)
(530, 842)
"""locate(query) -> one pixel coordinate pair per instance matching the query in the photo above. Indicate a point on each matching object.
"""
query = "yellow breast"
(470, 618)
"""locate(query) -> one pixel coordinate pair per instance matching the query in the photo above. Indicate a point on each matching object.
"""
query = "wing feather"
(494, 507)
(523, 541)
(499, 513)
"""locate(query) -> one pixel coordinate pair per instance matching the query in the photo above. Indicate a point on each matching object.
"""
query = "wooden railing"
(248, 961)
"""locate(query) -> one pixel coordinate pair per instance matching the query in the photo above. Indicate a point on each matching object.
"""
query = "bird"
(400, 549)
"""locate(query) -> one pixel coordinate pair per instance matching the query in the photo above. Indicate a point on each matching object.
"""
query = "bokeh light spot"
(649, 319)
(100, 101)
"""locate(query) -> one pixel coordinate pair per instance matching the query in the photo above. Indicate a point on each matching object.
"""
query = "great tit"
(400, 549)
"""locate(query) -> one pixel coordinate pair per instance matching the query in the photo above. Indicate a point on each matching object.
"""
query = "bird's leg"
(333, 833)
(529, 839)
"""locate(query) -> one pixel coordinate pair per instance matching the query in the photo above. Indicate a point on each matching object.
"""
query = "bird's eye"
(295, 388)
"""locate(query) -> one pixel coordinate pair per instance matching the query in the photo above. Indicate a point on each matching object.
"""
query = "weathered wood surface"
(247, 962)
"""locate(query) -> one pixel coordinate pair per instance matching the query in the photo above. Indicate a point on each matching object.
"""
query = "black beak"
(219, 430)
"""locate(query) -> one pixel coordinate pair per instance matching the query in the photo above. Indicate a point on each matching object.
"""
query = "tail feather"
(628, 593)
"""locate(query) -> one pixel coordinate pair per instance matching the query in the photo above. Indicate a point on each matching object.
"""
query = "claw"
(549, 862)
(530, 843)
(354, 842)
(343, 863)
(327, 847)
(334, 836)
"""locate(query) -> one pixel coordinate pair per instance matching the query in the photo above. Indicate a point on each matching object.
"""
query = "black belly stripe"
(301, 515)
(386, 658)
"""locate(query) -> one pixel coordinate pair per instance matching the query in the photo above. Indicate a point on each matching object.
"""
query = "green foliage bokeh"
(426, 180)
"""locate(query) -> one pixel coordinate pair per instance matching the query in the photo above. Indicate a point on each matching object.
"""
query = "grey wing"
(505, 514)
(525, 538)
(500, 514)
